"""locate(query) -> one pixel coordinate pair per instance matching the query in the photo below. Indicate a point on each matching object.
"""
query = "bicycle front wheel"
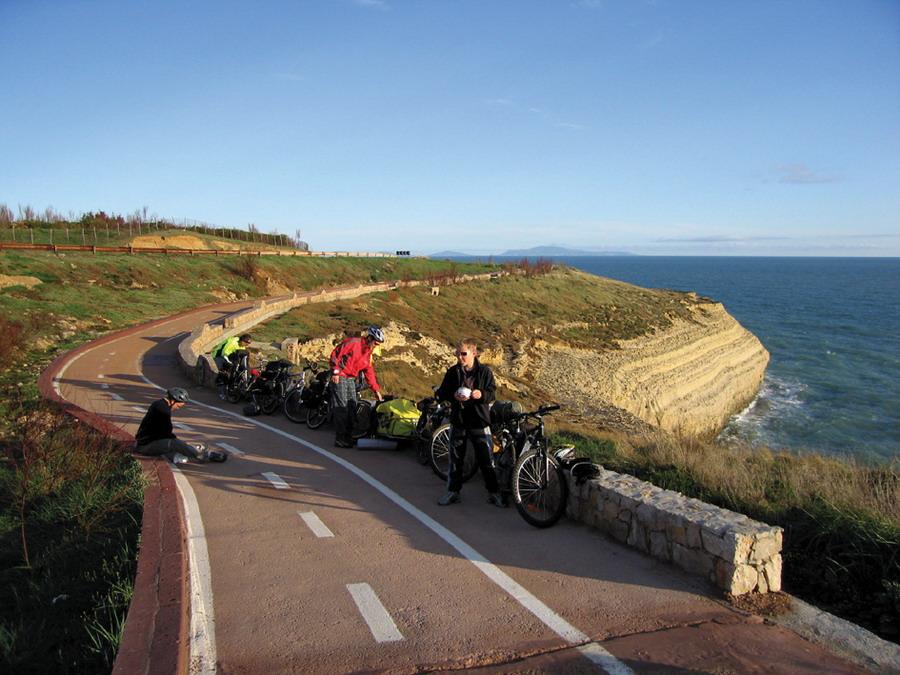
(540, 490)
(318, 414)
(294, 409)
(440, 455)
(362, 420)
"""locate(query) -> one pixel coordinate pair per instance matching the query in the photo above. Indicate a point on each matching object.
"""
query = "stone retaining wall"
(737, 554)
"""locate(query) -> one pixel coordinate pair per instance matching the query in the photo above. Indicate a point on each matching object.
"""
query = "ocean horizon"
(831, 326)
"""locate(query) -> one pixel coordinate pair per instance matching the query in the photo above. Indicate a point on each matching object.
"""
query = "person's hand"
(335, 379)
(379, 396)
(476, 394)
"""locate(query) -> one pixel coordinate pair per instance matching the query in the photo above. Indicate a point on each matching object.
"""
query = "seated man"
(155, 436)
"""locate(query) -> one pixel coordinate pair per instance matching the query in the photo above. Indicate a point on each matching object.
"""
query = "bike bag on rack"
(503, 411)
(397, 418)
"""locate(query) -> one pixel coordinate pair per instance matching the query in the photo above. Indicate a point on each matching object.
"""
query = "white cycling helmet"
(375, 333)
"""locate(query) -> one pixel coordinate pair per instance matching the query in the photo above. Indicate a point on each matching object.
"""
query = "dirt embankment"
(185, 241)
(689, 378)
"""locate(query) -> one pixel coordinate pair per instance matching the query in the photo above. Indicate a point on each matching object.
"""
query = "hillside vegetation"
(70, 502)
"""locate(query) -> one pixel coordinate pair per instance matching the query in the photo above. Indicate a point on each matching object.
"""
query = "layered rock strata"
(688, 379)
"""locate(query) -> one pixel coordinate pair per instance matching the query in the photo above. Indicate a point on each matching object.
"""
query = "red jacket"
(353, 356)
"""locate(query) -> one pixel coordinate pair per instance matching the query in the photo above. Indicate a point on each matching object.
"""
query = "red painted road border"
(156, 634)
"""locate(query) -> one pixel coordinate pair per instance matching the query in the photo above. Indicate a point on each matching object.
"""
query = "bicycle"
(434, 415)
(438, 448)
(295, 408)
(539, 487)
(237, 381)
(320, 406)
(268, 391)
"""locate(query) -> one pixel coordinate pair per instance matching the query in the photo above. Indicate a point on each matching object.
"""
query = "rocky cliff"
(688, 378)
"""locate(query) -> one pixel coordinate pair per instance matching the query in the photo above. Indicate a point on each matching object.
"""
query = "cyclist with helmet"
(352, 356)
(229, 348)
(155, 435)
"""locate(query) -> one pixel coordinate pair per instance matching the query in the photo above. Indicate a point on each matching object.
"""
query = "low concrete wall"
(737, 554)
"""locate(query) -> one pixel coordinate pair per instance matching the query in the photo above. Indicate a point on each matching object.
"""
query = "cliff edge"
(688, 378)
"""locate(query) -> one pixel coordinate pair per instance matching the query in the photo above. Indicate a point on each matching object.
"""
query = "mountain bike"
(269, 389)
(295, 408)
(320, 406)
(237, 381)
(434, 415)
(438, 446)
(539, 487)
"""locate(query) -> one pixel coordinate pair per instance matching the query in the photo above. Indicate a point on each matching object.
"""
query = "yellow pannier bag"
(397, 417)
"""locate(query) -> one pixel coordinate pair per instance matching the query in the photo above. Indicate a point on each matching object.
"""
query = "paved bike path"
(402, 584)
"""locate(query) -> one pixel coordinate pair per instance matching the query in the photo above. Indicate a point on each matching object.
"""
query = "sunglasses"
(462, 353)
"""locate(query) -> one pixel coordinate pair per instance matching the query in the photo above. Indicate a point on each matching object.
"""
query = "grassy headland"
(841, 519)
(70, 502)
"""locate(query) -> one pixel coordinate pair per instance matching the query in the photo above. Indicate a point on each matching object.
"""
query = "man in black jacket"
(470, 388)
(155, 435)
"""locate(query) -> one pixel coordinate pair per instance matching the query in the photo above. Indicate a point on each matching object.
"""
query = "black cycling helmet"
(375, 333)
(245, 338)
(178, 395)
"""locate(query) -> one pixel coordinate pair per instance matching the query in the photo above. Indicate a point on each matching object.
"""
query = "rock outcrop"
(688, 379)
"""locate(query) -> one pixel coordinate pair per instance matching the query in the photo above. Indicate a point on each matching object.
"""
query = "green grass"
(70, 503)
(70, 510)
(581, 309)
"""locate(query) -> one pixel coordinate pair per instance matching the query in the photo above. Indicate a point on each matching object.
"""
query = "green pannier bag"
(397, 417)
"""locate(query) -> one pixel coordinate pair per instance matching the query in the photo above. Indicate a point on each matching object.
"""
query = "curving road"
(308, 558)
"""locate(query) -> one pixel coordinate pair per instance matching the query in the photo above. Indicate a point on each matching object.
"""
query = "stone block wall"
(737, 554)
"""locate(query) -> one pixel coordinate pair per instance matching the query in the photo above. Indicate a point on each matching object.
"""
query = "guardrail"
(56, 248)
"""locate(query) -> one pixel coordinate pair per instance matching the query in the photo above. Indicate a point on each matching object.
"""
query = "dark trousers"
(170, 446)
(484, 455)
(343, 408)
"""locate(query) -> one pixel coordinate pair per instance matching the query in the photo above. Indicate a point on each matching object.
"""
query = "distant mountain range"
(536, 251)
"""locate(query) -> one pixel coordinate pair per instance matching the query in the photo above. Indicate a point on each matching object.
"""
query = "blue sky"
(658, 127)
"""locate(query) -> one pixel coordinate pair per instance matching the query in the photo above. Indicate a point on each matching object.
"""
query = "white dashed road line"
(276, 480)
(230, 448)
(115, 397)
(376, 616)
(314, 523)
(182, 425)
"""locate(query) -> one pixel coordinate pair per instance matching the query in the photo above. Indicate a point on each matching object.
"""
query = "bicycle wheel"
(294, 409)
(233, 393)
(362, 421)
(440, 455)
(318, 414)
(540, 490)
(268, 402)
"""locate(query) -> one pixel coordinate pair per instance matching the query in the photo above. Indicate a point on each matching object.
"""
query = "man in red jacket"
(352, 356)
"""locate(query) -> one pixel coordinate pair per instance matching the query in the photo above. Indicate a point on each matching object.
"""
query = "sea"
(832, 328)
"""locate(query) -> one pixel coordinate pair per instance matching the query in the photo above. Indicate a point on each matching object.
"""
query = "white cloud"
(373, 4)
(800, 174)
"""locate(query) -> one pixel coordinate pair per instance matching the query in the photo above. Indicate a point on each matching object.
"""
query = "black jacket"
(469, 414)
(157, 423)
